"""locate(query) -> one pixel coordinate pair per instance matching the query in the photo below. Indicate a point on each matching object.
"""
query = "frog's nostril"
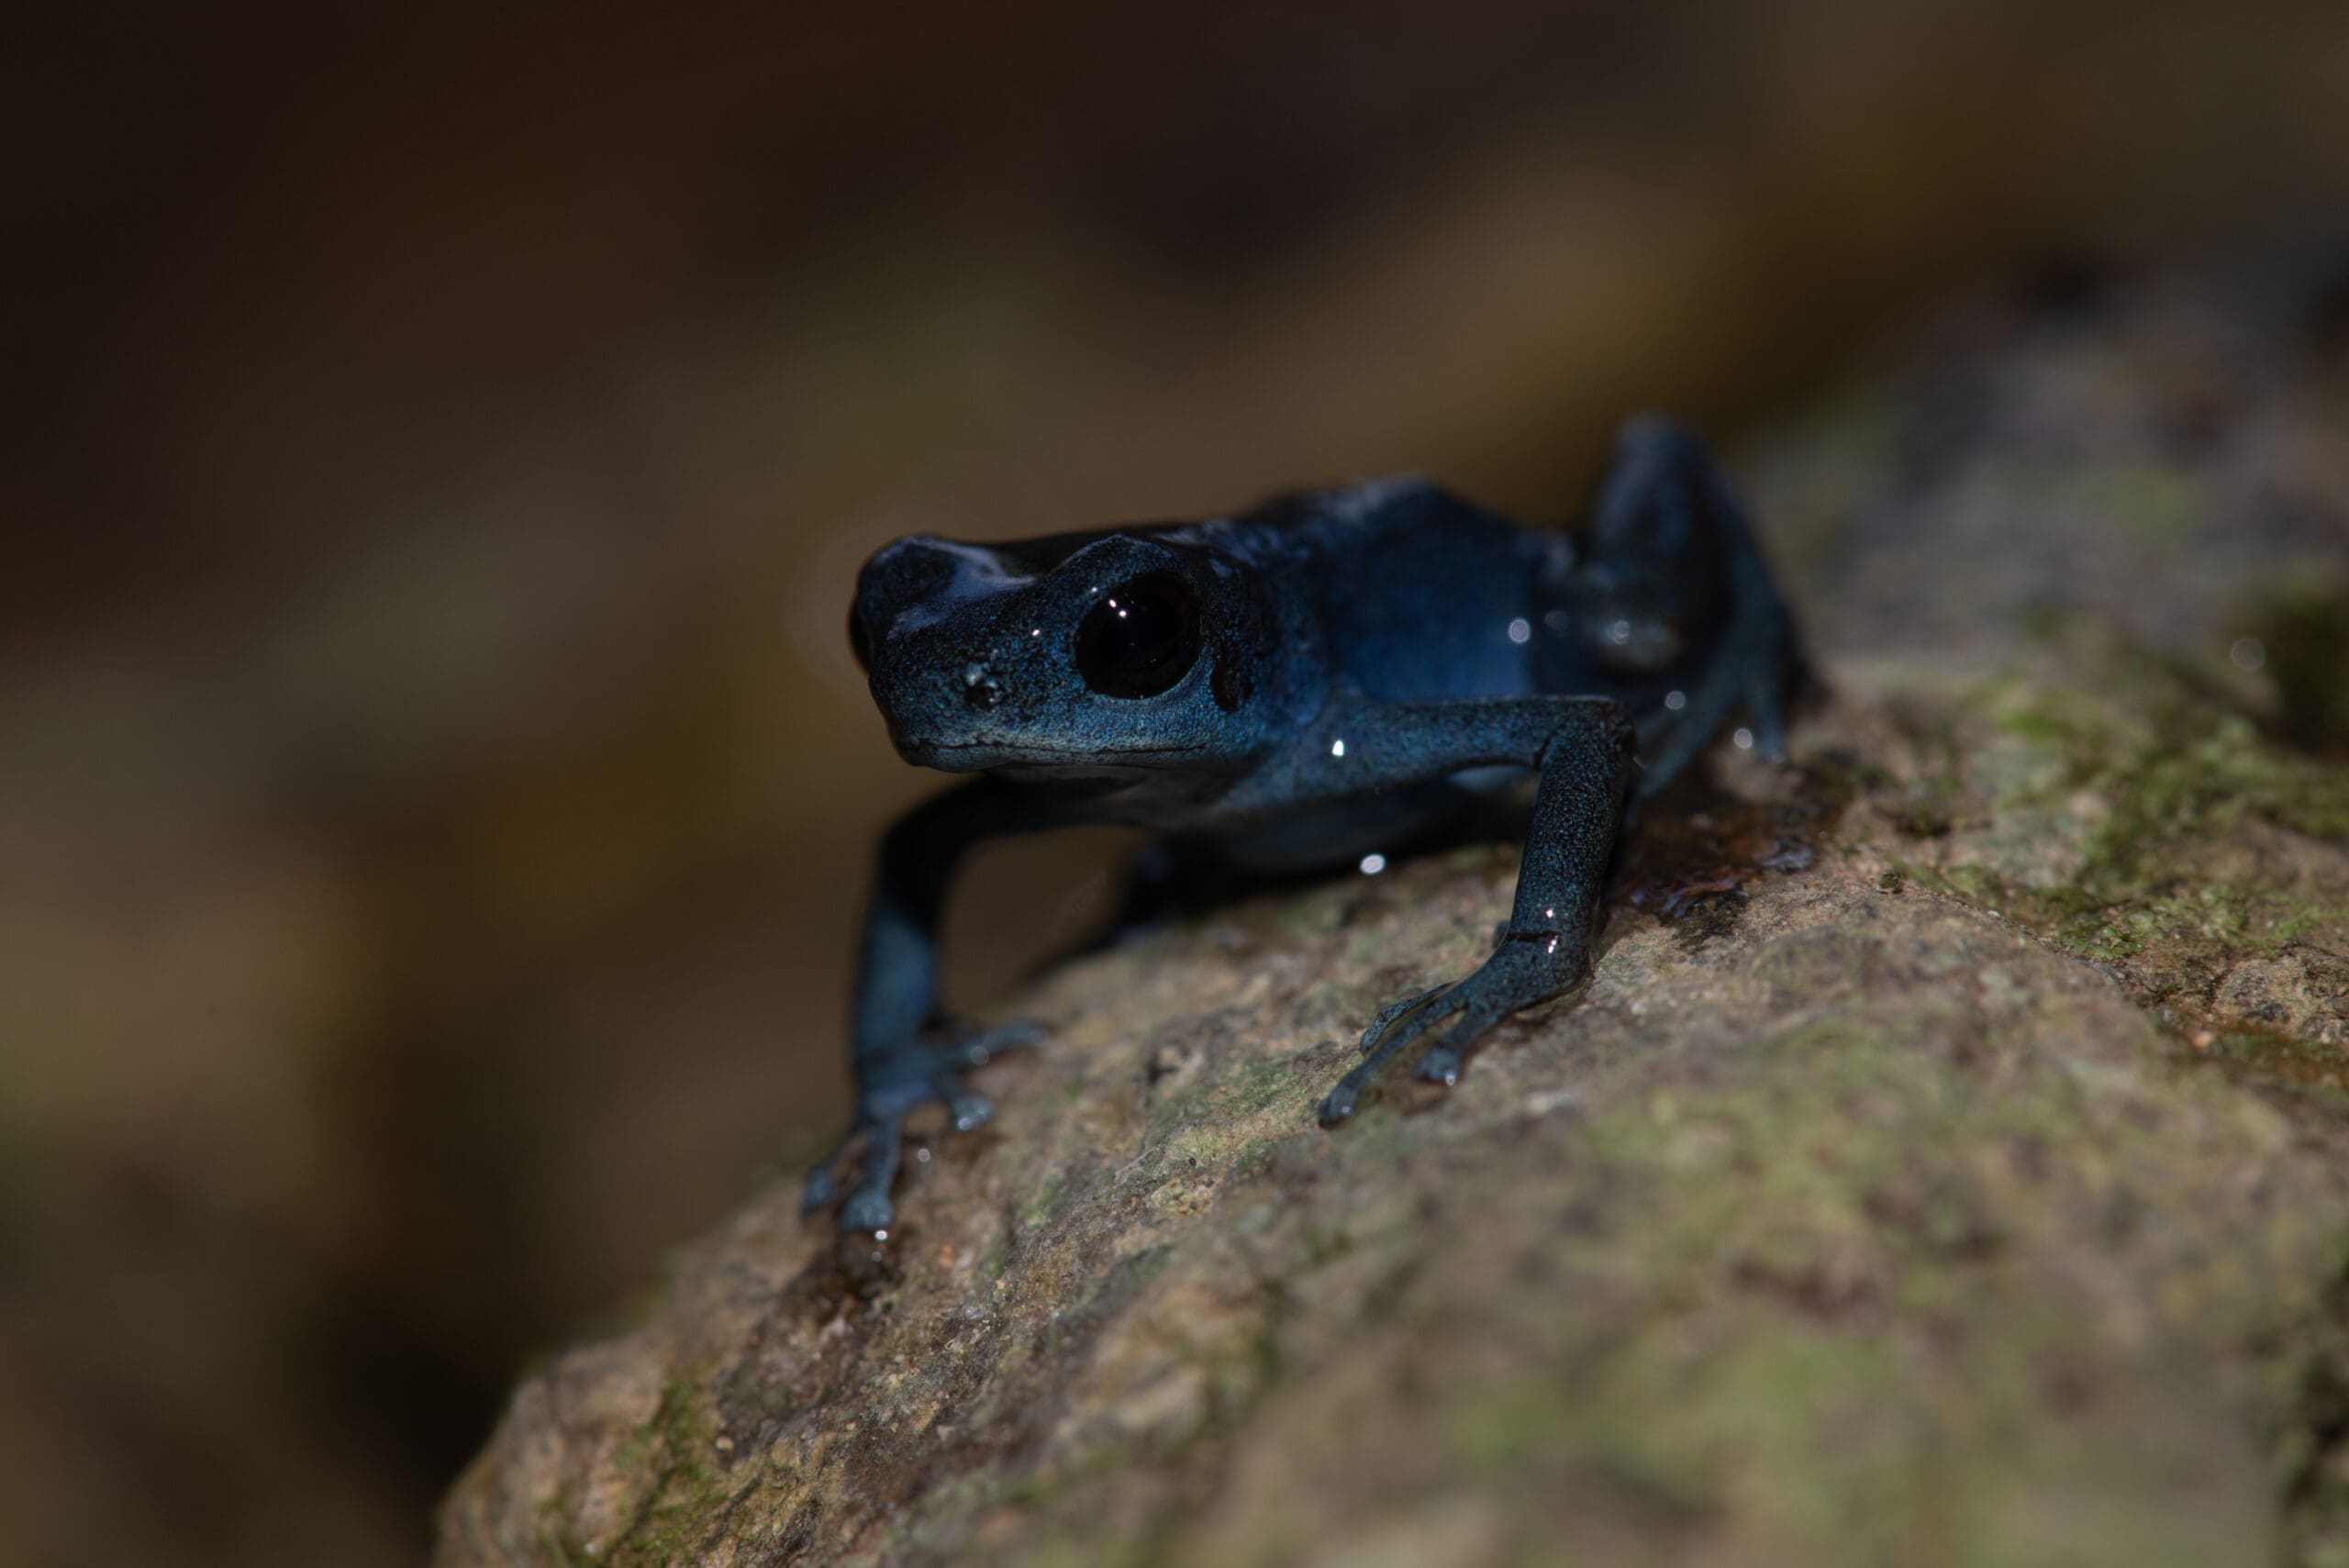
(980, 688)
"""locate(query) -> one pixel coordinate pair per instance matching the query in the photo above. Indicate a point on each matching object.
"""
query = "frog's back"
(1415, 594)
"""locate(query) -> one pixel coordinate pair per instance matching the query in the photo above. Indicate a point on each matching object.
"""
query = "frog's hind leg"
(1673, 593)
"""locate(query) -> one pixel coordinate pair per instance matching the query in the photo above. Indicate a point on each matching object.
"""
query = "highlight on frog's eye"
(1141, 638)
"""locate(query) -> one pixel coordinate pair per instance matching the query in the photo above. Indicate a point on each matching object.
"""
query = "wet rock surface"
(1947, 1162)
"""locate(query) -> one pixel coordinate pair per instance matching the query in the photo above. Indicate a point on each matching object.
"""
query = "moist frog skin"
(1332, 674)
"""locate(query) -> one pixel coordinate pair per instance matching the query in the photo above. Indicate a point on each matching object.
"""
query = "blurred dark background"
(437, 445)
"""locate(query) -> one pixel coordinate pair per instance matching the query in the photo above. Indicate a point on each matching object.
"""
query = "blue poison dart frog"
(1333, 675)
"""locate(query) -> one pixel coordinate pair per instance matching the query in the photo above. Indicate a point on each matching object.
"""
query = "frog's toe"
(1767, 711)
(913, 1075)
(980, 1046)
(869, 1212)
(1440, 1065)
(1394, 1013)
(1772, 677)
(823, 1178)
(868, 1208)
(1396, 1026)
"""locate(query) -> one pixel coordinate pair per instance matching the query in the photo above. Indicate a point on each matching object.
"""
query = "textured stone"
(1945, 1162)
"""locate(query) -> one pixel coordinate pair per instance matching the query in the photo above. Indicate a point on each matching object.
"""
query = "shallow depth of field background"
(436, 446)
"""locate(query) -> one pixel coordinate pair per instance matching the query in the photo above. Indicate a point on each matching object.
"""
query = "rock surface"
(1948, 1162)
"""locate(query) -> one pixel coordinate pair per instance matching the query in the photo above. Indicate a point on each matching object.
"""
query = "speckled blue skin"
(1373, 663)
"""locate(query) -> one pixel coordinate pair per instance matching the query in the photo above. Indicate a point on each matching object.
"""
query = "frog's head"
(1077, 654)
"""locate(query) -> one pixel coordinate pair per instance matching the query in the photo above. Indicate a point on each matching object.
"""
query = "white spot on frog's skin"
(1038, 631)
(1520, 631)
(1743, 738)
(2248, 654)
(1337, 748)
(1675, 701)
(1619, 632)
(1373, 864)
(921, 1156)
(881, 1235)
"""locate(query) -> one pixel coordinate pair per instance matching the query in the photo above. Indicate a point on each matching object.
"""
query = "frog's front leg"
(899, 1058)
(1581, 750)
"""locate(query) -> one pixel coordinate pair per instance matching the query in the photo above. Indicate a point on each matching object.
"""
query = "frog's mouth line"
(926, 750)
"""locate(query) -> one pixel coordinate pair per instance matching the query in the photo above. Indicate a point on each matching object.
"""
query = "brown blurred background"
(434, 792)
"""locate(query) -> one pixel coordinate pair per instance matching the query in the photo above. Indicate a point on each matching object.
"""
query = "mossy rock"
(1947, 1162)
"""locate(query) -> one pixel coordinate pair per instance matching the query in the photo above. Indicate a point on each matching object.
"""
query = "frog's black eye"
(859, 640)
(1141, 638)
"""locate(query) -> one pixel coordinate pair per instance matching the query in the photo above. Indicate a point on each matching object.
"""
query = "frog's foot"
(1528, 967)
(1755, 671)
(1767, 680)
(887, 1088)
